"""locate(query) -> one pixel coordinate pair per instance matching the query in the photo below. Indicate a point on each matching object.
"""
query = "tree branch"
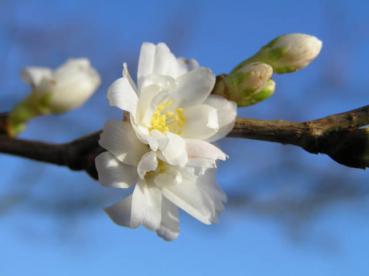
(77, 155)
(3, 123)
(341, 136)
(338, 136)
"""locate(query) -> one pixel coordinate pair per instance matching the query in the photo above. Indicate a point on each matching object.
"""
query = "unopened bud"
(248, 85)
(66, 88)
(288, 53)
(54, 92)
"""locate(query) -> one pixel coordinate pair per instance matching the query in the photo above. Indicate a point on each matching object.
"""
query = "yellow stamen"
(163, 120)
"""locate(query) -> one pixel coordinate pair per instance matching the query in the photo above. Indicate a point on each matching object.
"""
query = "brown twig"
(338, 136)
(3, 123)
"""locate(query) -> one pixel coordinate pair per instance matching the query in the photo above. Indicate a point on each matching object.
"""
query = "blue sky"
(38, 236)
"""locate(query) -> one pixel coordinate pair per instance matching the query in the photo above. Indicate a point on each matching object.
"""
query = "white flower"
(63, 89)
(159, 188)
(171, 103)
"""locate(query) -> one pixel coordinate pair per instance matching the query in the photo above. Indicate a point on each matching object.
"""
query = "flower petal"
(194, 87)
(192, 197)
(122, 94)
(201, 122)
(168, 176)
(113, 173)
(216, 197)
(172, 148)
(203, 149)
(169, 226)
(142, 207)
(35, 75)
(153, 90)
(186, 65)
(121, 213)
(145, 61)
(227, 112)
(146, 205)
(74, 83)
(165, 61)
(119, 138)
(203, 155)
(148, 163)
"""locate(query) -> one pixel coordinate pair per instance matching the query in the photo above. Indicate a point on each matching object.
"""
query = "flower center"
(164, 119)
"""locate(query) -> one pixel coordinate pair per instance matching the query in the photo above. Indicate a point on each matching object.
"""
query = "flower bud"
(54, 92)
(248, 85)
(64, 89)
(289, 53)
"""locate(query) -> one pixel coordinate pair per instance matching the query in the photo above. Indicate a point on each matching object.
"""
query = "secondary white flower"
(171, 103)
(159, 188)
(63, 89)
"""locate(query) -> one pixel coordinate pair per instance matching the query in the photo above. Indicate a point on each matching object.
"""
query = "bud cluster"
(250, 82)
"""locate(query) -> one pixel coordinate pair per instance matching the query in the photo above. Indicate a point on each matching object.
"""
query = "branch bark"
(3, 123)
(340, 136)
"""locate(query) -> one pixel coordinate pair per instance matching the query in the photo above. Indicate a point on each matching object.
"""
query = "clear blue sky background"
(41, 234)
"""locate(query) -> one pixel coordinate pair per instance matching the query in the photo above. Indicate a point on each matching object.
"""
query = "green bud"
(288, 53)
(247, 85)
(260, 95)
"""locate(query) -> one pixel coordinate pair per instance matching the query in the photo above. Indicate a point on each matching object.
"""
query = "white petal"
(121, 213)
(216, 197)
(126, 74)
(171, 146)
(169, 226)
(203, 149)
(148, 163)
(153, 90)
(122, 94)
(203, 155)
(141, 131)
(147, 207)
(169, 176)
(193, 198)
(194, 87)
(142, 207)
(165, 61)
(227, 112)
(74, 83)
(34, 75)
(186, 65)
(119, 138)
(113, 173)
(201, 122)
(201, 165)
(146, 61)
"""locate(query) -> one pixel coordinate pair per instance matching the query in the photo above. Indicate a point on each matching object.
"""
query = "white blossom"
(171, 103)
(63, 89)
(159, 187)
